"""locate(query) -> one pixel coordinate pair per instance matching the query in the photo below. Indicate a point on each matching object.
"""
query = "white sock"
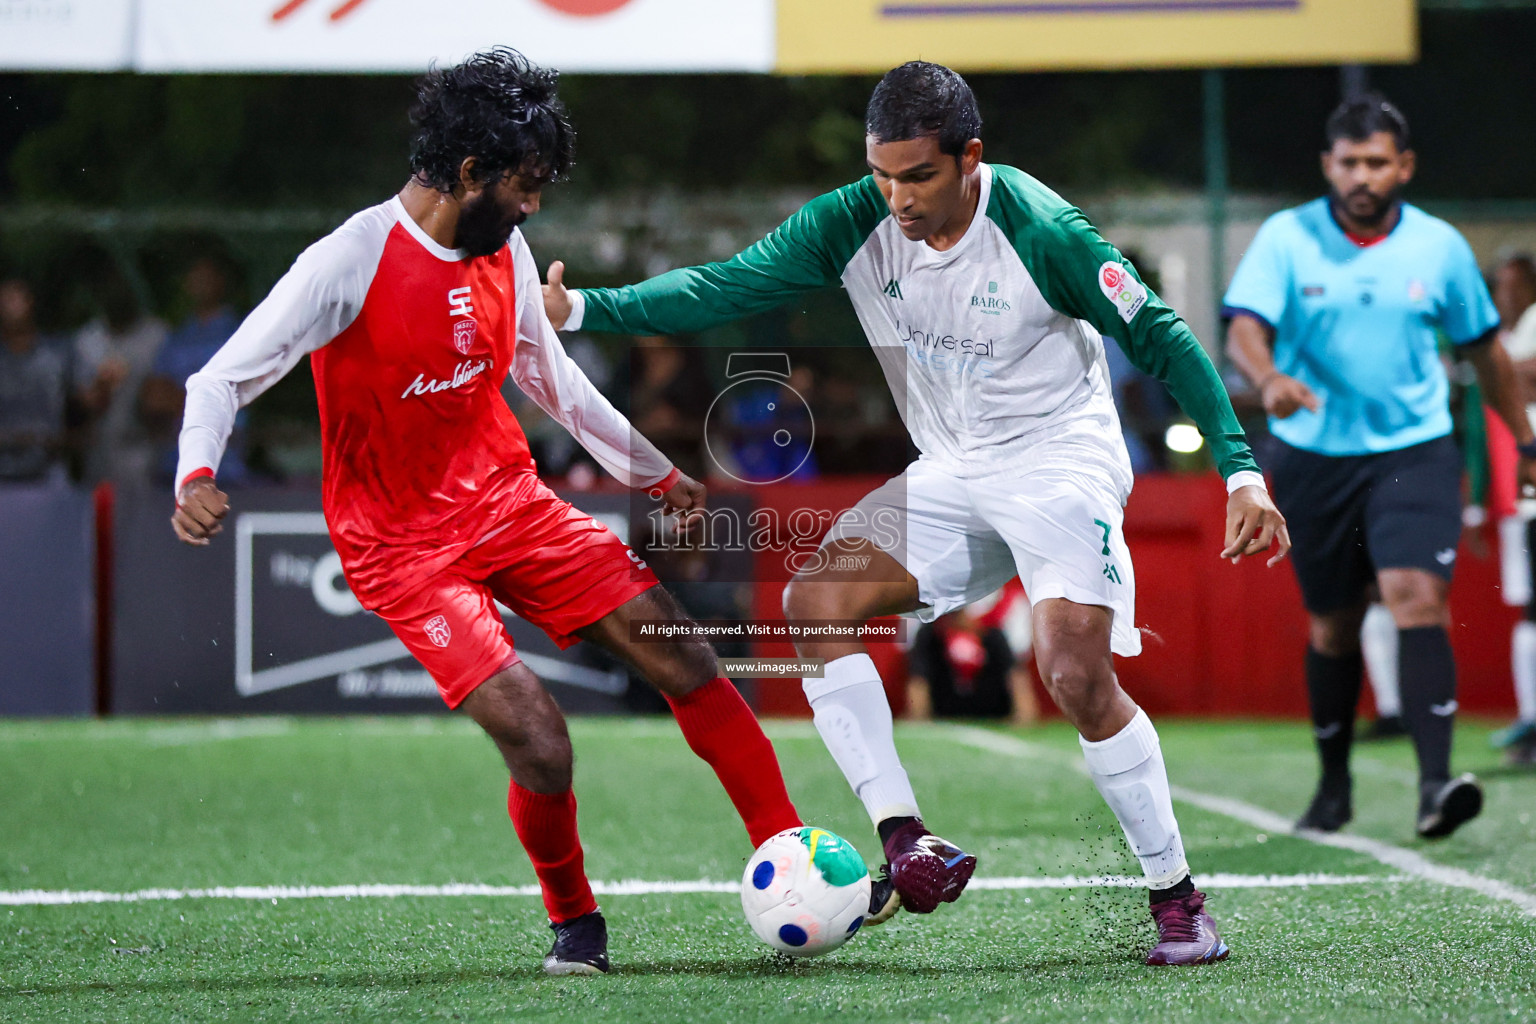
(1128, 770)
(1523, 656)
(1378, 643)
(854, 720)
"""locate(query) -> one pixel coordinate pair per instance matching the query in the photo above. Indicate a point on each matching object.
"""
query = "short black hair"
(920, 99)
(498, 107)
(1360, 117)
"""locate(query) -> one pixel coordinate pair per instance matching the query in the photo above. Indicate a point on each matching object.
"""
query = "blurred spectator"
(973, 663)
(1514, 294)
(113, 356)
(34, 390)
(669, 393)
(187, 350)
(771, 429)
(1145, 410)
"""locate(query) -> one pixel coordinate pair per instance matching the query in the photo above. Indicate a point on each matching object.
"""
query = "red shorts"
(552, 564)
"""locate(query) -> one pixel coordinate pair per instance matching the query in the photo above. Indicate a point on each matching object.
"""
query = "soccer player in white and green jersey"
(986, 298)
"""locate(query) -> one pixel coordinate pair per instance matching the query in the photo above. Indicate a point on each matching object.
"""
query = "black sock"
(1174, 891)
(888, 827)
(1333, 690)
(1428, 682)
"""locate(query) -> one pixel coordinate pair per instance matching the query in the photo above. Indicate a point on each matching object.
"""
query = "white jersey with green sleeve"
(986, 345)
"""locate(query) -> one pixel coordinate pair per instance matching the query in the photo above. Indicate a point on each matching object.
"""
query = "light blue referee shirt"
(1358, 324)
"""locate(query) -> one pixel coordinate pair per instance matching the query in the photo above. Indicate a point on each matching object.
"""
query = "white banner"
(407, 35)
(65, 35)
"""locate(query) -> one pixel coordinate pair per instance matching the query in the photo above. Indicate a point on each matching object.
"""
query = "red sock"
(546, 825)
(721, 729)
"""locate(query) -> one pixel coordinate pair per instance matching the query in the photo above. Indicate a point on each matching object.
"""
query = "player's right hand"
(557, 301)
(686, 500)
(1284, 395)
(200, 511)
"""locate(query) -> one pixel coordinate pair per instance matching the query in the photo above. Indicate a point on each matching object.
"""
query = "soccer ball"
(805, 891)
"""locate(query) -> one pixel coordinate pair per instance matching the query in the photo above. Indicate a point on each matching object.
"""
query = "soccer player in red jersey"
(414, 312)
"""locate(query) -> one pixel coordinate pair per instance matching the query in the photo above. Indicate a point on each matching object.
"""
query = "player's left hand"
(1254, 525)
(686, 500)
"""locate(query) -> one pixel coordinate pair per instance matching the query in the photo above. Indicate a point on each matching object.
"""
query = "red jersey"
(412, 343)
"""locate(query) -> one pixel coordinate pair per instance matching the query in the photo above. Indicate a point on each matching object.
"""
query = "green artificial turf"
(121, 806)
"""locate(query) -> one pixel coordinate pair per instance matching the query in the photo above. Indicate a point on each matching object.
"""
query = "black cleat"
(581, 946)
(1331, 808)
(884, 900)
(1388, 727)
(1446, 806)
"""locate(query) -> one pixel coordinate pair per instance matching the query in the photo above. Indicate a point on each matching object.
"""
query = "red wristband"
(202, 471)
(665, 484)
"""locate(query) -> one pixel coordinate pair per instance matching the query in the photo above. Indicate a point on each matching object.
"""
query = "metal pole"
(1216, 185)
(1354, 80)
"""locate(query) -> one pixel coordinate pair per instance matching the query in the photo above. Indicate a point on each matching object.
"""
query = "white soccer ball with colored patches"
(805, 891)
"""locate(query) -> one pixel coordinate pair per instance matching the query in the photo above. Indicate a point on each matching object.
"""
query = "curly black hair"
(498, 107)
(919, 99)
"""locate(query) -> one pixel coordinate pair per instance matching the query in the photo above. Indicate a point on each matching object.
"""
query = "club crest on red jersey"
(464, 335)
(437, 630)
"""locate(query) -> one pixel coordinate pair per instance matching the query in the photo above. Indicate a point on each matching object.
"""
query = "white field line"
(1406, 861)
(273, 893)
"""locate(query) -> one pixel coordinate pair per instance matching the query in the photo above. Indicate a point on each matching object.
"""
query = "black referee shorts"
(1350, 516)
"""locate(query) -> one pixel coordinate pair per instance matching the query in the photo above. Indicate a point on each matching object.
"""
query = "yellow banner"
(1031, 35)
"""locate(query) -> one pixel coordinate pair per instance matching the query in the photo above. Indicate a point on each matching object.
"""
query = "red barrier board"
(1218, 639)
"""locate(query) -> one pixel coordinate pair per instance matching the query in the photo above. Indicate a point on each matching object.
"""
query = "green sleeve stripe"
(1064, 254)
(808, 251)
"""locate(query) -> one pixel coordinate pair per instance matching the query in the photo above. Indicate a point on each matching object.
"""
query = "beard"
(484, 226)
(1366, 207)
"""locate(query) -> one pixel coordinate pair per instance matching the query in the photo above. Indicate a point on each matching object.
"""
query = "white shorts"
(1054, 520)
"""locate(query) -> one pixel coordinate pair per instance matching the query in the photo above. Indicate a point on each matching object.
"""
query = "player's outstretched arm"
(200, 511)
(807, 252)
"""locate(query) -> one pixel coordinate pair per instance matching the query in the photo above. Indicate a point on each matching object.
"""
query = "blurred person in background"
(974, 662)
(209, 324)
(1336, 310)
(35, 380)
(1514, 293)
(113, 356)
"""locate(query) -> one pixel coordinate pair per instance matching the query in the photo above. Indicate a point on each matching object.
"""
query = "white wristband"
(578, 311)
(1246, 478)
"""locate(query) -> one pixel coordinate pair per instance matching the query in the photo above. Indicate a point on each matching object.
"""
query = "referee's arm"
(1250, 346)
(1503, 393)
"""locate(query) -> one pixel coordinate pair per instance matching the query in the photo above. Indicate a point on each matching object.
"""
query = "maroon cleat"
(1185, 933)
(926, 870)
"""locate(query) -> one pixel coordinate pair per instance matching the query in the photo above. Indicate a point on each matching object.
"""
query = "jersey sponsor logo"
(989, 303)
(892, 289)
(1121, 287)
(459, 303)
(463, 373)
(1312, 291)
(912, 337)
(437, 630)
(464, 335)
(1416, 291)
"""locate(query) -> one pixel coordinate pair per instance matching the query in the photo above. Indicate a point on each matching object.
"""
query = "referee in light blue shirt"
(1335, 311)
